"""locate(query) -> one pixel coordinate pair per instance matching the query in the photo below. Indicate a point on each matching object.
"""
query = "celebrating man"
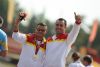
(34, 45)
(59, 45)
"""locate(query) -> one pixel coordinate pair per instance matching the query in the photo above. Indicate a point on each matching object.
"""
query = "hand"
(21, 16)
(78, 18)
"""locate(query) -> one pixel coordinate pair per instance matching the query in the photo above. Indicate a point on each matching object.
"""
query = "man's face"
(85, 63)
(41, 31)
(60, 27)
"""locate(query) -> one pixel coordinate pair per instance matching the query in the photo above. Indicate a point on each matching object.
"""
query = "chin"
(39, 35)
(58, 33)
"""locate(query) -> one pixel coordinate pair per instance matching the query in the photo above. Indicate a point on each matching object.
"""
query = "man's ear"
(1, 21)
(46, 31)
(1, 24)
(65, 26)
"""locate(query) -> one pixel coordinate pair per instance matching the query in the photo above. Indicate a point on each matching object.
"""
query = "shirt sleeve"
(73, 34)
(4, 43)
(19, 37)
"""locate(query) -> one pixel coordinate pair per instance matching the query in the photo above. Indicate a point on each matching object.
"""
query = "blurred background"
(48, 11)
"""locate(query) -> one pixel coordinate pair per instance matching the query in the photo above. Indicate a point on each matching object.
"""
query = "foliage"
(82, 39)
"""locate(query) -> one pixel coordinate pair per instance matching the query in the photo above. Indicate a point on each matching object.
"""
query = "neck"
(39, 38)
(60, 33)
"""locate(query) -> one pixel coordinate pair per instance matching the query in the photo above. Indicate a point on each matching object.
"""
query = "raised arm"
(75, 30)
(16, 35)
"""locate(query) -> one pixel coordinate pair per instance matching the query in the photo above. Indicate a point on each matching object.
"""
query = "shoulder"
(2, 33)
(76, 64)
(30, 36)
(90, 66)
(72, 65)
(49, 39)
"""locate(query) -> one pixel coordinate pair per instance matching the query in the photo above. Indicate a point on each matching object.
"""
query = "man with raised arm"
(34, 44)
(59, 45)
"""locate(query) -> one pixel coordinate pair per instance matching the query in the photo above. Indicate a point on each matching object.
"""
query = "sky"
(63, 8)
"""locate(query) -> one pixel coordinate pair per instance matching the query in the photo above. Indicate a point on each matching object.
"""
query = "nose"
(40, 31)
(58, 26)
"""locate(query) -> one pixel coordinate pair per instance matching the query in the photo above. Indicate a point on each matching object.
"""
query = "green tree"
(3, 12)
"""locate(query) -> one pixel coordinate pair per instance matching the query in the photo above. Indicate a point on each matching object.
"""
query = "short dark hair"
(75, 56)
(88, 58)
(1, 20)
(62, 19)
(41, 24)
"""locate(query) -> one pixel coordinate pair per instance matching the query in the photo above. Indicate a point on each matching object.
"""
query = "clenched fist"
(22, 15)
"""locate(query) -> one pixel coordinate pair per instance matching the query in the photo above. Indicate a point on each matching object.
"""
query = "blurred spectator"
(87, 61)
(3, 41)
(76, 60)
